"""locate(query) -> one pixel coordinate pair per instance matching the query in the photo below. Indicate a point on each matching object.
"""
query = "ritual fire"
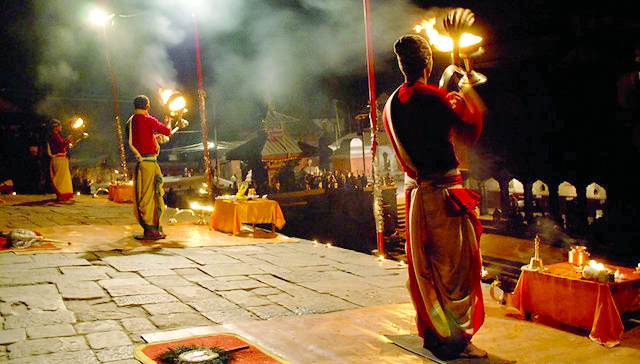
(441, 42)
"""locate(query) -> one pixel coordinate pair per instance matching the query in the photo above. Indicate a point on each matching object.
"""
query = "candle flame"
(442, 42)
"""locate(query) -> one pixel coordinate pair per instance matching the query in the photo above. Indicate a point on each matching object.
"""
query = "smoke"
(253, 52)
(550, 232)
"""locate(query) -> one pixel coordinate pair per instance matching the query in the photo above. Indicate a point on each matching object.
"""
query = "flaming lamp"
(461, 43)
(176, 106)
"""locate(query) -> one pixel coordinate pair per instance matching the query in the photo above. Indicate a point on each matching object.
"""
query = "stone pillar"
(528, 201)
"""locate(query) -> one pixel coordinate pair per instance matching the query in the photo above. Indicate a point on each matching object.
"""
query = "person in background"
(57, 147)
(443, 232)
(149, 203)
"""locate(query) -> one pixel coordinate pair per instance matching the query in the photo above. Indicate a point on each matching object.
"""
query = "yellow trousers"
(149, 202)
(61, 177)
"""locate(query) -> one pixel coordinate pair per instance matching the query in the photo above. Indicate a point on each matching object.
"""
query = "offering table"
(560, 292)
(228, 215)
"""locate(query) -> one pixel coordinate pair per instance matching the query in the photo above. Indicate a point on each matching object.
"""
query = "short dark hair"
(53, 123)
(141, 102)
(414, 55)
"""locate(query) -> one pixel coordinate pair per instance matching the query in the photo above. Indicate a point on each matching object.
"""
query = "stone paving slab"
(108, 339)
(40, 296)
(46, 346)
(12, 335)
(39, 319)
(230, 269)
(80, 289)
(39, 332)
(182, 319)
(75, 357)
(97, 326)
(167, 308)
(143, 299)
(138, 325)
(148, 261)
(117, 354)
(13, 277)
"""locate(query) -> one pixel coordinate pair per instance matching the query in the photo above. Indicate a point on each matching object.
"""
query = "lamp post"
(100, 18)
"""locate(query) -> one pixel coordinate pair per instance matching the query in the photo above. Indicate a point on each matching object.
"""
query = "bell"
(471, 79)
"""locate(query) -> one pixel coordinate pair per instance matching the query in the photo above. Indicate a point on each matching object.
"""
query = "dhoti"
(444, 266)
(61, 177)
(149, 202)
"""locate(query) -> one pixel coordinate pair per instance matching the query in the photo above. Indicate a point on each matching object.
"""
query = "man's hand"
(162, 139)
(457, 102)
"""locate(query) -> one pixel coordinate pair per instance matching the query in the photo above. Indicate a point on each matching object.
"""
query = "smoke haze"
(253, 52)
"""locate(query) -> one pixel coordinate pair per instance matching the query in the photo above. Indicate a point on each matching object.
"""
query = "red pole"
(203, 112)
(123, 159)
(374, 125)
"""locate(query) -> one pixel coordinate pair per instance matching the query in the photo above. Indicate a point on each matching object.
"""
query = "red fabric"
(144, 127)
(57, 143)
(463, 200)
(407, 90)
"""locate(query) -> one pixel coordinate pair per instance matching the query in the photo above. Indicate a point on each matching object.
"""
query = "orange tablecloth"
(228, 215)
(561, 294)
(121, 193)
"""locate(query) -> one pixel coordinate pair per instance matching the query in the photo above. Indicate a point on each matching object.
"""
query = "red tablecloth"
(228, 215)
(561, 293)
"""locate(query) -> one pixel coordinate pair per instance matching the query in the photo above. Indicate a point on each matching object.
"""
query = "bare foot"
(472, 351)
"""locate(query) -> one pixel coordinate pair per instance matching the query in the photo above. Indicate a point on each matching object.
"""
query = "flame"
(78, 123)
(442, 42)
(196, 206)
(165, 94)
(595, 265)
(178, 103)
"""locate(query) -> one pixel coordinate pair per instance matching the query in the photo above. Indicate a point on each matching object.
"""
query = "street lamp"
(99, 17)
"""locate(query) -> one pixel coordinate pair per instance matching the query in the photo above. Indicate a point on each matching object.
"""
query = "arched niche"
(492, 185)
(567, 190)
(360, 160)
(491, 195)
(516, 187)
(540, 193)
(540, 188)
(596, 192)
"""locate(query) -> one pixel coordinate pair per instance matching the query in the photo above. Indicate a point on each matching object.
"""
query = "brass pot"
(578, 255)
